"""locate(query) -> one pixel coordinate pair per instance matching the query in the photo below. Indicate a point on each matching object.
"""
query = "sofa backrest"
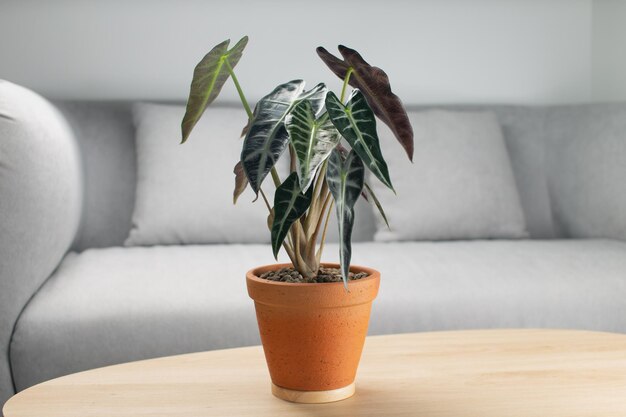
(524, 134)
(534, 137)
(586, 170)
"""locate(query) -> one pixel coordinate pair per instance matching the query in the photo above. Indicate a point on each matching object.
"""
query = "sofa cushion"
(185, 192)
(459, 186)
(523, 130)
(587, 170)
(105, 133)
(40, 203)
(105, 306)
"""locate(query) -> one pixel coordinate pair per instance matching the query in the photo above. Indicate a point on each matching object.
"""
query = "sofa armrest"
(40, 204)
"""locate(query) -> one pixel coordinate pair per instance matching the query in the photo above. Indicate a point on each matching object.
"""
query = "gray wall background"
(521, 51)
(435, 51)
(609, 50)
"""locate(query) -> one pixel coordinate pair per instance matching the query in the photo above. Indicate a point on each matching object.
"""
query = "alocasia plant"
(330, 142)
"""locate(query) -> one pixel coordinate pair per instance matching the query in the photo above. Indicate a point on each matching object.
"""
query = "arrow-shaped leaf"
(289, 205)
(209, 77)
(374, 84)
(316, 96)
(267, 136)
(345, 180)
(357, 124)
(313, 140)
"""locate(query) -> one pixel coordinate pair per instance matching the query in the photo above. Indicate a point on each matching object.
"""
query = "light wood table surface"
(503, 373)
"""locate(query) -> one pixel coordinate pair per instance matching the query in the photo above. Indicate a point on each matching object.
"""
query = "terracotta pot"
(312, 333)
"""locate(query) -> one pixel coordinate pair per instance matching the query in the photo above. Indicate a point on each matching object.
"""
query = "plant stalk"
(292, 158)
(312, 242)
(345, 83)
(323, 239)
(267, 203)
(242, 97)
(316, 203)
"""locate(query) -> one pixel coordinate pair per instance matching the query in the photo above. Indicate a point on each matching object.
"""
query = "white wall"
(609, 50)
(435, 51)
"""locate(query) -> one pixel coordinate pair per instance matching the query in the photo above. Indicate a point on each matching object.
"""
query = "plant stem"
(316, 204)
(267, 203)
(301, 264)
(290, 253)
(275, 177)
(242, 97)
(312, 240)
(323, 239)
(345, 83)
(292, 158)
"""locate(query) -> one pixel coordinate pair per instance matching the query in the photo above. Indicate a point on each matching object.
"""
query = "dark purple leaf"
(374, 84)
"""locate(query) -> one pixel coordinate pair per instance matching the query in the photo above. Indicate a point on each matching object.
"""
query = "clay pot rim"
(254, 273)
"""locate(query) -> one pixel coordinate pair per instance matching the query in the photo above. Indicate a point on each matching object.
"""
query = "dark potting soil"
(323, 275)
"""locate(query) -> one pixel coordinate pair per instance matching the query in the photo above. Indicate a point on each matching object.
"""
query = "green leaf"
(289, 205)
(345, 180)
(209, 77)
(316, 96)
(369, 193)
(357, 124)
(267, 137)
(313, 140)
(374, 84)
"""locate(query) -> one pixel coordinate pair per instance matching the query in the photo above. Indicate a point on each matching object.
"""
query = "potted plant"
(312, 316)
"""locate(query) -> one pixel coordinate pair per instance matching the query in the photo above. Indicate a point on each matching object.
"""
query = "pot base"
(313, 397)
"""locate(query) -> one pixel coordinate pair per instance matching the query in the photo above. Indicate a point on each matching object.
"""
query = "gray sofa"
(73, 298)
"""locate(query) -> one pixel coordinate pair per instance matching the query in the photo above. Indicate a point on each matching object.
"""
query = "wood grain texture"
(503, 373)
(314, 397)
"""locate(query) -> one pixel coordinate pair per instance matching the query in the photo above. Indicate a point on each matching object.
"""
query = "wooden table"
(503, 373)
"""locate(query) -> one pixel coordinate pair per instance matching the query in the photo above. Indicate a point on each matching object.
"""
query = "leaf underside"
(209, 77)
(267, 136)
(357, 124)
(241, 182)
(345, 180)
(313, 140)
(289, 205)
(374, 84)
